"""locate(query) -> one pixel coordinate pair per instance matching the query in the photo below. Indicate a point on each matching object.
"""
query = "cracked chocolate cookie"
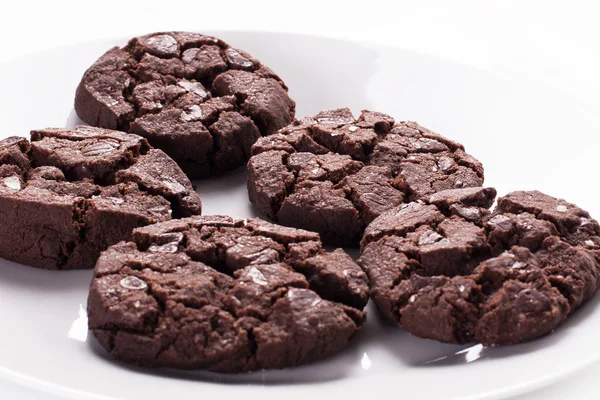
(448, 269)
(225, 295)
(334, 174)
(201, 101)
(69, 194)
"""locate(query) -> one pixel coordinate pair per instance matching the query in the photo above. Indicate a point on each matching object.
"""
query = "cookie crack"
(79, 211)
(240, 100)
(318, 140)
(145, 190)
(290, 188)
(461, 162)
(252, 345)
(351, 195)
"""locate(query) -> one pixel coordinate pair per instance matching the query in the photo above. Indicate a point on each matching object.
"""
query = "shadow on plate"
(73, 120)
(424, 353)
(333, 368)
(377, 333)
(40, 281)
(226, 195)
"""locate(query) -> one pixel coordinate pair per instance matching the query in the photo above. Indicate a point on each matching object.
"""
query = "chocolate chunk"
(173, 88)
(225, 295)
(452, 271)
(68, 195)
(335, 174)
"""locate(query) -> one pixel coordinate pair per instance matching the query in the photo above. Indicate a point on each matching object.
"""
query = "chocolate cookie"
(69, 194)
(201, 101)
(225, 295)
(334, 174)
(448, 269)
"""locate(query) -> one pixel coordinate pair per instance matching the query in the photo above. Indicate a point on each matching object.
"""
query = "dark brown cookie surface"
(448, 269)
(225, 295)
(201, 101)
(69, 194)
(334, 174)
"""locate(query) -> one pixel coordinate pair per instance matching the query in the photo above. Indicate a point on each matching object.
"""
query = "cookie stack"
(174, 288)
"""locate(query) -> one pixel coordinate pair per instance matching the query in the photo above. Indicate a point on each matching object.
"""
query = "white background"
(555, 42)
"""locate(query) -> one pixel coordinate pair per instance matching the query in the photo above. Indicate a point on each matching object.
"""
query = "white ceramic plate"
(527, 137)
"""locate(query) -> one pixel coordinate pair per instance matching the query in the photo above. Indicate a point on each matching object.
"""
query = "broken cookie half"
(69, 194)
